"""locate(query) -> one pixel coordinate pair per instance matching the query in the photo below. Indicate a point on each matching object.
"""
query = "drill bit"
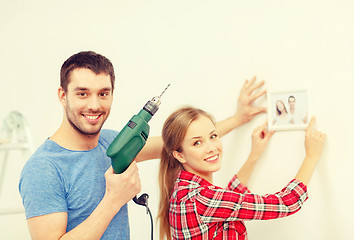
(164, 90)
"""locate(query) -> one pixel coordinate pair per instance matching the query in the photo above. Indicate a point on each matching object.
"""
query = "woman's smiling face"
(201, 148)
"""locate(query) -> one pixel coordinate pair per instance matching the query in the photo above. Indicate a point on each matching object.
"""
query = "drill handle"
(128, 143)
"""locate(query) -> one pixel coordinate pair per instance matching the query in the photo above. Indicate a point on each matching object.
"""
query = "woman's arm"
(152, 149)
(214, 205)
(260, 139)
(314, 141)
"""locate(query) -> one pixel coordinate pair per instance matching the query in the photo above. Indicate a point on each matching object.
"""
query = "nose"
(93, 103)
(211, 147)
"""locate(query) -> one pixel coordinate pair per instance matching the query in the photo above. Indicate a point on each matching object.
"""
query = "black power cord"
(143, 201)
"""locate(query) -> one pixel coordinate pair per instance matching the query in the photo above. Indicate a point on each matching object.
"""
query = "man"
(295, 117)
(68, 187)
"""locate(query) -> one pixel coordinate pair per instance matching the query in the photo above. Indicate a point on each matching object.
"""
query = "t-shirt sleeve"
(107, 136)
(42, 188)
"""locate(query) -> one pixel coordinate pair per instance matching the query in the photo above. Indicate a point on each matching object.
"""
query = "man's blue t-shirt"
(56, 179)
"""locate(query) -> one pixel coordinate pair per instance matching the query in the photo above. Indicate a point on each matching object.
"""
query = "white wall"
(205, 49)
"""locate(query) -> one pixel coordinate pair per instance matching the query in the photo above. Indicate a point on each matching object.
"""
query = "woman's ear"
(179, 156)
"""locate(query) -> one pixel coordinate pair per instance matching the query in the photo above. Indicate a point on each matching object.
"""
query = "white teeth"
(91, 117)
(212, 158)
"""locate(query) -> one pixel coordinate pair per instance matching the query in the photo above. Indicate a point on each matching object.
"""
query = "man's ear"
(62, 96)
(179, 156)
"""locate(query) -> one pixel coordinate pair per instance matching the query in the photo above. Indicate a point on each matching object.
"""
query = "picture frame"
(289, 109)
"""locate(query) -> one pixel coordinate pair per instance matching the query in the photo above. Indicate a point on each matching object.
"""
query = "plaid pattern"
(200, 210)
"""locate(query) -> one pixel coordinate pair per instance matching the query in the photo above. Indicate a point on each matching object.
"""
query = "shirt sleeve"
(42, 189)
(236, 186)
(216, 204)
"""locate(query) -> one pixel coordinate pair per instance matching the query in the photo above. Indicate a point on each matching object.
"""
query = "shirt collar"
(185, 176)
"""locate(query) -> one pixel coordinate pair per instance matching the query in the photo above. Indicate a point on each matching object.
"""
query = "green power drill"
(129, 142)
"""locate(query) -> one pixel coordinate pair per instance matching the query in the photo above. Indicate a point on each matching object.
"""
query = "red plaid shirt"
(200, 210)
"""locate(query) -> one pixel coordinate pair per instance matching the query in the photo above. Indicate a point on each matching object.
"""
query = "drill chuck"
(152, 106)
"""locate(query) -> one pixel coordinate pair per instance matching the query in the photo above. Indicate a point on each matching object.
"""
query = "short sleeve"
(42, 188)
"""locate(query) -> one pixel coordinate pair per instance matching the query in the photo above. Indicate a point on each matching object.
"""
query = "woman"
(281, 114)
(192, 208)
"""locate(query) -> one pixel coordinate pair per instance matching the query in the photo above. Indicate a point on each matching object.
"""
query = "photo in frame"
(288, 110)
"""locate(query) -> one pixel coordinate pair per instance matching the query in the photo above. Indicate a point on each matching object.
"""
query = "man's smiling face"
(88, 100)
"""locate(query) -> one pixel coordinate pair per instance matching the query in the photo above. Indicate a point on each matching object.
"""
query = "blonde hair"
(173, 133)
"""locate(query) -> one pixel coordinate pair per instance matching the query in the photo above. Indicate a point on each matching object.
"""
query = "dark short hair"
(86, 59)
(291, 97)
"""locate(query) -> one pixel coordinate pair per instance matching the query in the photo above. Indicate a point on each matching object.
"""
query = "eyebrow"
(106, 89)
(198, 137)
(80, 89)
(86, 89)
